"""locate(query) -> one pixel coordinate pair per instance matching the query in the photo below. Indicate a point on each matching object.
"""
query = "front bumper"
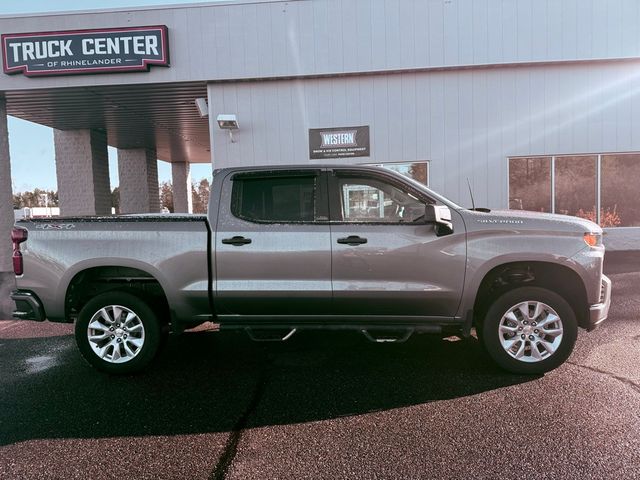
(28, 306)
(598, 313)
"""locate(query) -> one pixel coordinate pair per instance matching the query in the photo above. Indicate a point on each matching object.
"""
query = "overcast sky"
(31, 145)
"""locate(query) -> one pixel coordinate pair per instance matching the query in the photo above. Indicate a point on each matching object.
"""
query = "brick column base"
(82, 168)
(138, 172)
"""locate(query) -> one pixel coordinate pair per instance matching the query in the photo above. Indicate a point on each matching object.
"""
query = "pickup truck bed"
(78, 256)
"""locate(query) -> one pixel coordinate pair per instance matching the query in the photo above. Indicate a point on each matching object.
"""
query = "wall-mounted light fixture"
(203, 108)
(228, 121)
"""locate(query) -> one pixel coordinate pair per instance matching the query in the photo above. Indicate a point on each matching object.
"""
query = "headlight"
(592, 239)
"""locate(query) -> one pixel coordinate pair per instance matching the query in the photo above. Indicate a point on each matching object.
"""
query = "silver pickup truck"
(316, 247)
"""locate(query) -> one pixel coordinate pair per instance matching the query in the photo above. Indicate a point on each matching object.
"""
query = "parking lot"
(328, 405)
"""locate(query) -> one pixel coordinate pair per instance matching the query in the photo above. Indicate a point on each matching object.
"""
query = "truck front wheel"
(529, 330)
(118, 333)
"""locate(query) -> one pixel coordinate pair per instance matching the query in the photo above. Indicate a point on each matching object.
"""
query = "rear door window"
(275, 199)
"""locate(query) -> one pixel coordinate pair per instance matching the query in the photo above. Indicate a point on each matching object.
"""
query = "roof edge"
(173, 6)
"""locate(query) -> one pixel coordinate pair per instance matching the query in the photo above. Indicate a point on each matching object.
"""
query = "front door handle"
(237, 241)
(352, 240)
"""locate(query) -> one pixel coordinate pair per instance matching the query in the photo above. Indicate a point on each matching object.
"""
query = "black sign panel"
(339, 142)
(123, 49)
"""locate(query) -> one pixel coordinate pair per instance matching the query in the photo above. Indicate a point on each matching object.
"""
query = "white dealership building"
(535, 103)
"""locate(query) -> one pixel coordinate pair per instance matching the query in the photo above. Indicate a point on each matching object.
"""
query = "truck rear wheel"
(118, 333)
(529, 330)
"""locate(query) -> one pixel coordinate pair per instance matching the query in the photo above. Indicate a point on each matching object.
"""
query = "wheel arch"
(560, 278)
(85, 283)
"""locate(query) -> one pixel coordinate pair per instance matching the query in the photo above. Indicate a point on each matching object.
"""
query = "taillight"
(18, 236)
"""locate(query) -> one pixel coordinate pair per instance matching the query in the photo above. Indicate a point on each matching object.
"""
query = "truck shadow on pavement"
(218, 382)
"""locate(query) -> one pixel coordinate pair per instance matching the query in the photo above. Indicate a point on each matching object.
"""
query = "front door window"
(372, 201)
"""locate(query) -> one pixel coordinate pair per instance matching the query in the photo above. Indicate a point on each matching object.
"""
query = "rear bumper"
(28, 306)
(598, 313)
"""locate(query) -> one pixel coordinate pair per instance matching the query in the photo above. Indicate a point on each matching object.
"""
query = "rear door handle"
(237, 241)
(352, 240)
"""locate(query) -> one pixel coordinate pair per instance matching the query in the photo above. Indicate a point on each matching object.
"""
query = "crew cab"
(316, 247)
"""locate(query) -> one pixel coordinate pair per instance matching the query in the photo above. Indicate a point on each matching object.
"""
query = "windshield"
(436, 196)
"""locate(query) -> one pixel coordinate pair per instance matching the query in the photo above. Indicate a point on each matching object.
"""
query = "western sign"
(339, 142)
(123, 49)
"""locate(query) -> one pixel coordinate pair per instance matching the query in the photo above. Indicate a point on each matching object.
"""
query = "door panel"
(404, 268)
(286, 267)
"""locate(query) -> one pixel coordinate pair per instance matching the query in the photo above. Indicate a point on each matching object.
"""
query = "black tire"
(492, 339)
(149, 336)
(164, 337)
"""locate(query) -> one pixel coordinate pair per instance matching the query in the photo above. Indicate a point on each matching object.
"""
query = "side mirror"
(440, 215)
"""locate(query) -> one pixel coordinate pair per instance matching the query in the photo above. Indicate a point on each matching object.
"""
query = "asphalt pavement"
(327, 405)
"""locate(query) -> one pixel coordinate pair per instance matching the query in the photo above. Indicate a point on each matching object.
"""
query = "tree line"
(49, 198)
(35, 198)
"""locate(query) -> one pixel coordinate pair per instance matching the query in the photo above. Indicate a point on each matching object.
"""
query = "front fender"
(490, 250)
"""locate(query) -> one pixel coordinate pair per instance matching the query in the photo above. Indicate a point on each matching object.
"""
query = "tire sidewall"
(147, 317)
(491, 338)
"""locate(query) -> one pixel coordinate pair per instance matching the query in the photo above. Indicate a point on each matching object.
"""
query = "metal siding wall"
(539, 16)
(629, 36)
(537, 106)
(323, 37)
(478, 142)
(466, 122)
(467, 135)
(436, 33)
(436, 149)
(409, 116)
(450, 39)
(451, 122)
(494, 137)
(396, 116)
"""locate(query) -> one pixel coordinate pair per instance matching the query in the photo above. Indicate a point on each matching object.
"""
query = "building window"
(598, 187)
(575, 185)
(530, 184)
(419, 171)
(620, 202)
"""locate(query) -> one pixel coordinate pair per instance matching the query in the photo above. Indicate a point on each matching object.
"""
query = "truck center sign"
(123, 49)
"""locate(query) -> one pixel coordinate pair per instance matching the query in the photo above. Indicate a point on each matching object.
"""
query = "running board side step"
(270, 334)
(388, 336)
(396, 334)
(373, 333)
